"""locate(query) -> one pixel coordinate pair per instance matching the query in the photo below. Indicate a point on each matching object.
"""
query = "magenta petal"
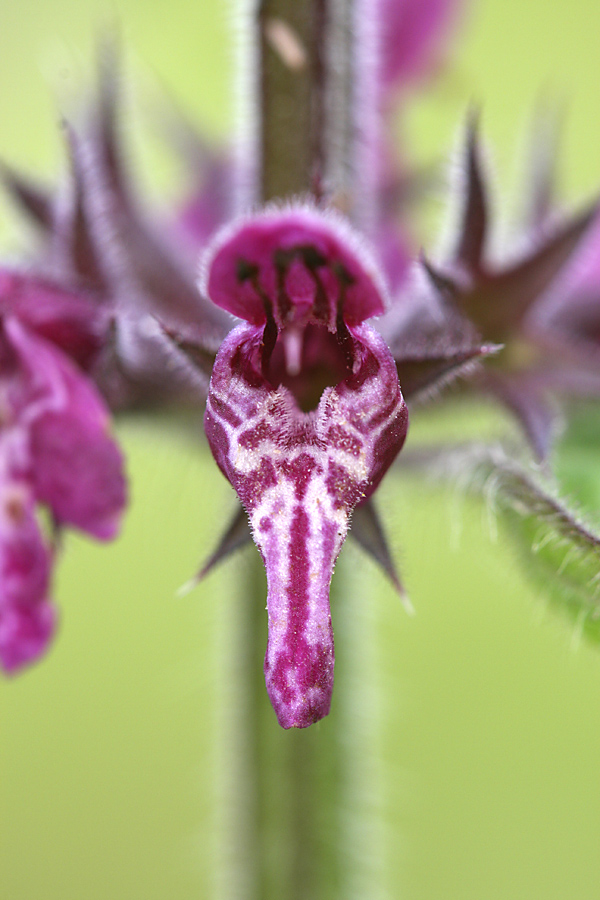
(70, 320)
(394, 254)
(300, 548)
(412, 33)
(208, 207)
(299, 476)
(76, 466)
(25, 560)
(78, 472)
(297, 265)
(25, 635)
(26, 617)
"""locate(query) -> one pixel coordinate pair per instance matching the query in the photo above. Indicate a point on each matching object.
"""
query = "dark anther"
(311, 257)
(343, 275)
(269, 340)
(282, 259)
(345, 341)
(246, 270)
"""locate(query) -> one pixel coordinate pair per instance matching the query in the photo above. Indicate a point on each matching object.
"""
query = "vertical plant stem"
(291, 89)
(317, 107)
(290, 792)
(340, 118)
(282, 793)
(299, 809)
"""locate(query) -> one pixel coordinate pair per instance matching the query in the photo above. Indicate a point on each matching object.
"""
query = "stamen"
(293, 340)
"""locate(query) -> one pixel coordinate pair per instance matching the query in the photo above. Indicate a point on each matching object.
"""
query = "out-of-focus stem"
(317, 102)
(282, 794)
(339, 119)
(291, 88)
(290, 794)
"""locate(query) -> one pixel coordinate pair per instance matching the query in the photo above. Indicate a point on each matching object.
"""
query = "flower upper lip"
(316, 258)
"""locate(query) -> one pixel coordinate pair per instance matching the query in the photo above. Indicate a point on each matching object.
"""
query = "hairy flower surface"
(304, 417)
(412, 33)
(55, 451)
(304, 414)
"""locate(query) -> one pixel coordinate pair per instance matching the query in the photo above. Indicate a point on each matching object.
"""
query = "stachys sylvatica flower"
(306, 408)
(56, 452)
(304, 417)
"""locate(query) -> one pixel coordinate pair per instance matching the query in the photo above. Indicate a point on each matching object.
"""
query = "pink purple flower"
(56, 451)
(27, 616)
(304, 414)
(412, 34)
(304, 417)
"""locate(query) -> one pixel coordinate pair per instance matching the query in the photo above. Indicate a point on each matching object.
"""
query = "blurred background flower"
(487, 741)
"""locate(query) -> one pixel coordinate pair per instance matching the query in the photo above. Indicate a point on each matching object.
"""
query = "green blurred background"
(486, 732)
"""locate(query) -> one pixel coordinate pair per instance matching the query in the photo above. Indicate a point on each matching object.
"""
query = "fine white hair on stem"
(366, 110)
(245, 149)
(352, 108)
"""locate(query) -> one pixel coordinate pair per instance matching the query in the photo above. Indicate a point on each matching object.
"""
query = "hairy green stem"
(314, 66)
(340, 128)
(291, 88)
(292, 798)
(281, 793)
(299, 810)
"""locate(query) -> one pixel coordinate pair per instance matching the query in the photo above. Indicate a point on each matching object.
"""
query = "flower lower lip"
(299, 476)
